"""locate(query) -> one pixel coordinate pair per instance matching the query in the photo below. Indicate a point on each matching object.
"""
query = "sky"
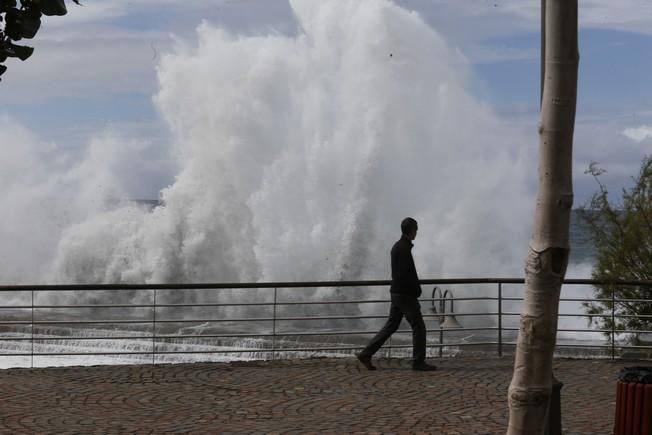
(96, 69)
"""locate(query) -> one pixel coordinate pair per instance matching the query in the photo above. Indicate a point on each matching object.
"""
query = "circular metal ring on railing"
(435, 291)
(451, 299)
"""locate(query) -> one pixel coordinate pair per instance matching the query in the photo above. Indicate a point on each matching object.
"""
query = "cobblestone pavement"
(465, 396)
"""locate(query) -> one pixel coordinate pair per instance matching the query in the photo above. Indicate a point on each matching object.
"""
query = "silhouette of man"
(404, 291)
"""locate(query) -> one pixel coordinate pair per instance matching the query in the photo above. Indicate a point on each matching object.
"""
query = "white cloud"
(475, 25)
(100, 47)
(107, 47)
(599, 138)
(104, 64)
(627, 15)
(486, 18)
(639, 134)
(97, 11)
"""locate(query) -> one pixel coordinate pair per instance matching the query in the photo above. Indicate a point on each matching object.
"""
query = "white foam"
(299, 155)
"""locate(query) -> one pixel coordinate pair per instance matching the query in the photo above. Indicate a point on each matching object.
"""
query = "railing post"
(500, 319)
(613, 323)
(32, 331)
(441, 341)
(274, 328)
(154, 331)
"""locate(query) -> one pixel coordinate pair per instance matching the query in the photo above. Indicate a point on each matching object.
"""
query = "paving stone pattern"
(465, 396)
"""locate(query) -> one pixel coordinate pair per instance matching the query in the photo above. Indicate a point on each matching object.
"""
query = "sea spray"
(300, 154)
(298, 157)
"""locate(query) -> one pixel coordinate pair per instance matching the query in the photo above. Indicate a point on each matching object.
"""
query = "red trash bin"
(634, 402)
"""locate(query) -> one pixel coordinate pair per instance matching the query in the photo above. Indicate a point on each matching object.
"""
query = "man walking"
(404, 291)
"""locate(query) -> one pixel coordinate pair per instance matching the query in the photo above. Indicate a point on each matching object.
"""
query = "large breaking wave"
(298, 157)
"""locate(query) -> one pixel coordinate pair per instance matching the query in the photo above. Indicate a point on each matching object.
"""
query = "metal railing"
(268, 320)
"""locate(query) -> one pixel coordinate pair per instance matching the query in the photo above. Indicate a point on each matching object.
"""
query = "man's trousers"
(409, 307)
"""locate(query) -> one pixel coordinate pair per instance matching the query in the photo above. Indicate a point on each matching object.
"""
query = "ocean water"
(583, 250)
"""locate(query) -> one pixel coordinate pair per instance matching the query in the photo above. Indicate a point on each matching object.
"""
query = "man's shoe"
(366, 361)
(423, 367)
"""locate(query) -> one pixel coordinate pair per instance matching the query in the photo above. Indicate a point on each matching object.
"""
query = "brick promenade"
(466, 396)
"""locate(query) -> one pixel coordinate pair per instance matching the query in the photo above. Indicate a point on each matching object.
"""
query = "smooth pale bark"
(547, 258)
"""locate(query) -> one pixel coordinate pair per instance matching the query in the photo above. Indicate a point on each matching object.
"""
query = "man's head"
(409, 228)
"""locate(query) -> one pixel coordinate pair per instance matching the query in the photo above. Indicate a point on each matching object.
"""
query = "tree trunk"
(547, 258)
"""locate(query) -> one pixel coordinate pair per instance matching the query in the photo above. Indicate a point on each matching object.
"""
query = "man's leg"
(412, 310)
(392, 324)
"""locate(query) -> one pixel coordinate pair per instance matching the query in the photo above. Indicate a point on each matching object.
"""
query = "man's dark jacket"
(404, 275)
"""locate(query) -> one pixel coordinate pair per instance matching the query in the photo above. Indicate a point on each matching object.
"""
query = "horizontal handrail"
(295, 284)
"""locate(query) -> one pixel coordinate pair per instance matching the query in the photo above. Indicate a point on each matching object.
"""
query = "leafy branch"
(23, 21)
